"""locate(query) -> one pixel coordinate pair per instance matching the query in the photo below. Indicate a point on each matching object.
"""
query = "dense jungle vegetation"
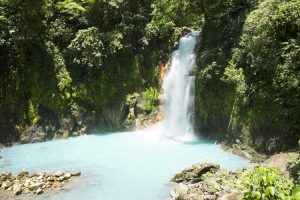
(63, 58)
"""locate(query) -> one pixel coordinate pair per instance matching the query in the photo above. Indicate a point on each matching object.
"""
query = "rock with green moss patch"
(195, 173)
(143, 106)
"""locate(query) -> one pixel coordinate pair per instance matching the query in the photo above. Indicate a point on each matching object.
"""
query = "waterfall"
(179, 89)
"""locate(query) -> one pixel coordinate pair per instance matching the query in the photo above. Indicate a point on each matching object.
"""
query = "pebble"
(76, 173)
(58, 173)
(67, 175)
(209, 197)
(50, 178)
(32, 175)
(5, 176)
(17, 189)
(39, 191)
(6, 185)
(22, 174)
(25, 182)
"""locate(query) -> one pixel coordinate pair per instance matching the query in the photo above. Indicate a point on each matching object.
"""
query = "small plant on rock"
(151, 96)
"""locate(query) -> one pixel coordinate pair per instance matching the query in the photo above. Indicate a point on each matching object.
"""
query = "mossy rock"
(195, 173)
(143, 107)
(131, 99)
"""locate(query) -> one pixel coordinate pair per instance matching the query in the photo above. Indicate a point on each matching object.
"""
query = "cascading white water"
(178, 88)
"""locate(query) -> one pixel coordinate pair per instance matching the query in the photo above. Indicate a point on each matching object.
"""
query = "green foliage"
(55, 54)
(296, 192)
(248, 76)
(266, 183)
(62, 75)
(236, 77)
(22, 50)
(32, 113)
(86, 50)
(268, 57)
(167, 15)
(151, 96)
(103, 14)
(223, 23)
(294, 168)
(113, 42)
(70, 7)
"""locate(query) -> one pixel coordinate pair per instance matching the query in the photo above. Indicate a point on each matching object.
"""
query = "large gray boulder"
(194, 173)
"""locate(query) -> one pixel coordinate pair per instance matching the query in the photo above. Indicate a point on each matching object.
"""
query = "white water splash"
(179, 87)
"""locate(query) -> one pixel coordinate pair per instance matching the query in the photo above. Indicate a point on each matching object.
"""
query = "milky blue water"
(122, 166)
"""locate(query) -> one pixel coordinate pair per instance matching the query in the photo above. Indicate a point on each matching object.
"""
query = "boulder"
(17, 189)
(142, 106)
(6, 184)
(58, 173)
(61, 178)
(23, 174)
(32, 175)
(282, 161)
(68, 175)
(131, 99)
(194, 173)
(35, 186)
(50, 178)
(76, 173)
(25, 136)
(36, 140)
(242, 153)
(5, 176)
(39, 191)
(67, 123)
(33, 134)
(179, 190)
(75, 134)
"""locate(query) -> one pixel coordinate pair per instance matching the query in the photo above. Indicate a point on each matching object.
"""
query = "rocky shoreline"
(244, 151)
(26, 183)
(206, 181)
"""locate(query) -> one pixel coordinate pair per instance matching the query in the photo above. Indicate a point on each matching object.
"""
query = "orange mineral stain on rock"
(161, 72)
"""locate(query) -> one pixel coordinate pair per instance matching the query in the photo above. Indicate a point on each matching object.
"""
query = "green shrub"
(266, 183)
(167, 15)
(294, 168)
(296, 192)
(151, 95)
(266, 65)
(32, 113)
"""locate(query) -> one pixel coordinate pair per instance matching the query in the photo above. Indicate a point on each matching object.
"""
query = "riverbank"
(204, 181)
(26, 185)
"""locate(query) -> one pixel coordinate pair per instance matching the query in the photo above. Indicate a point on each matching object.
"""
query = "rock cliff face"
(78, 122)
(135, 111)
